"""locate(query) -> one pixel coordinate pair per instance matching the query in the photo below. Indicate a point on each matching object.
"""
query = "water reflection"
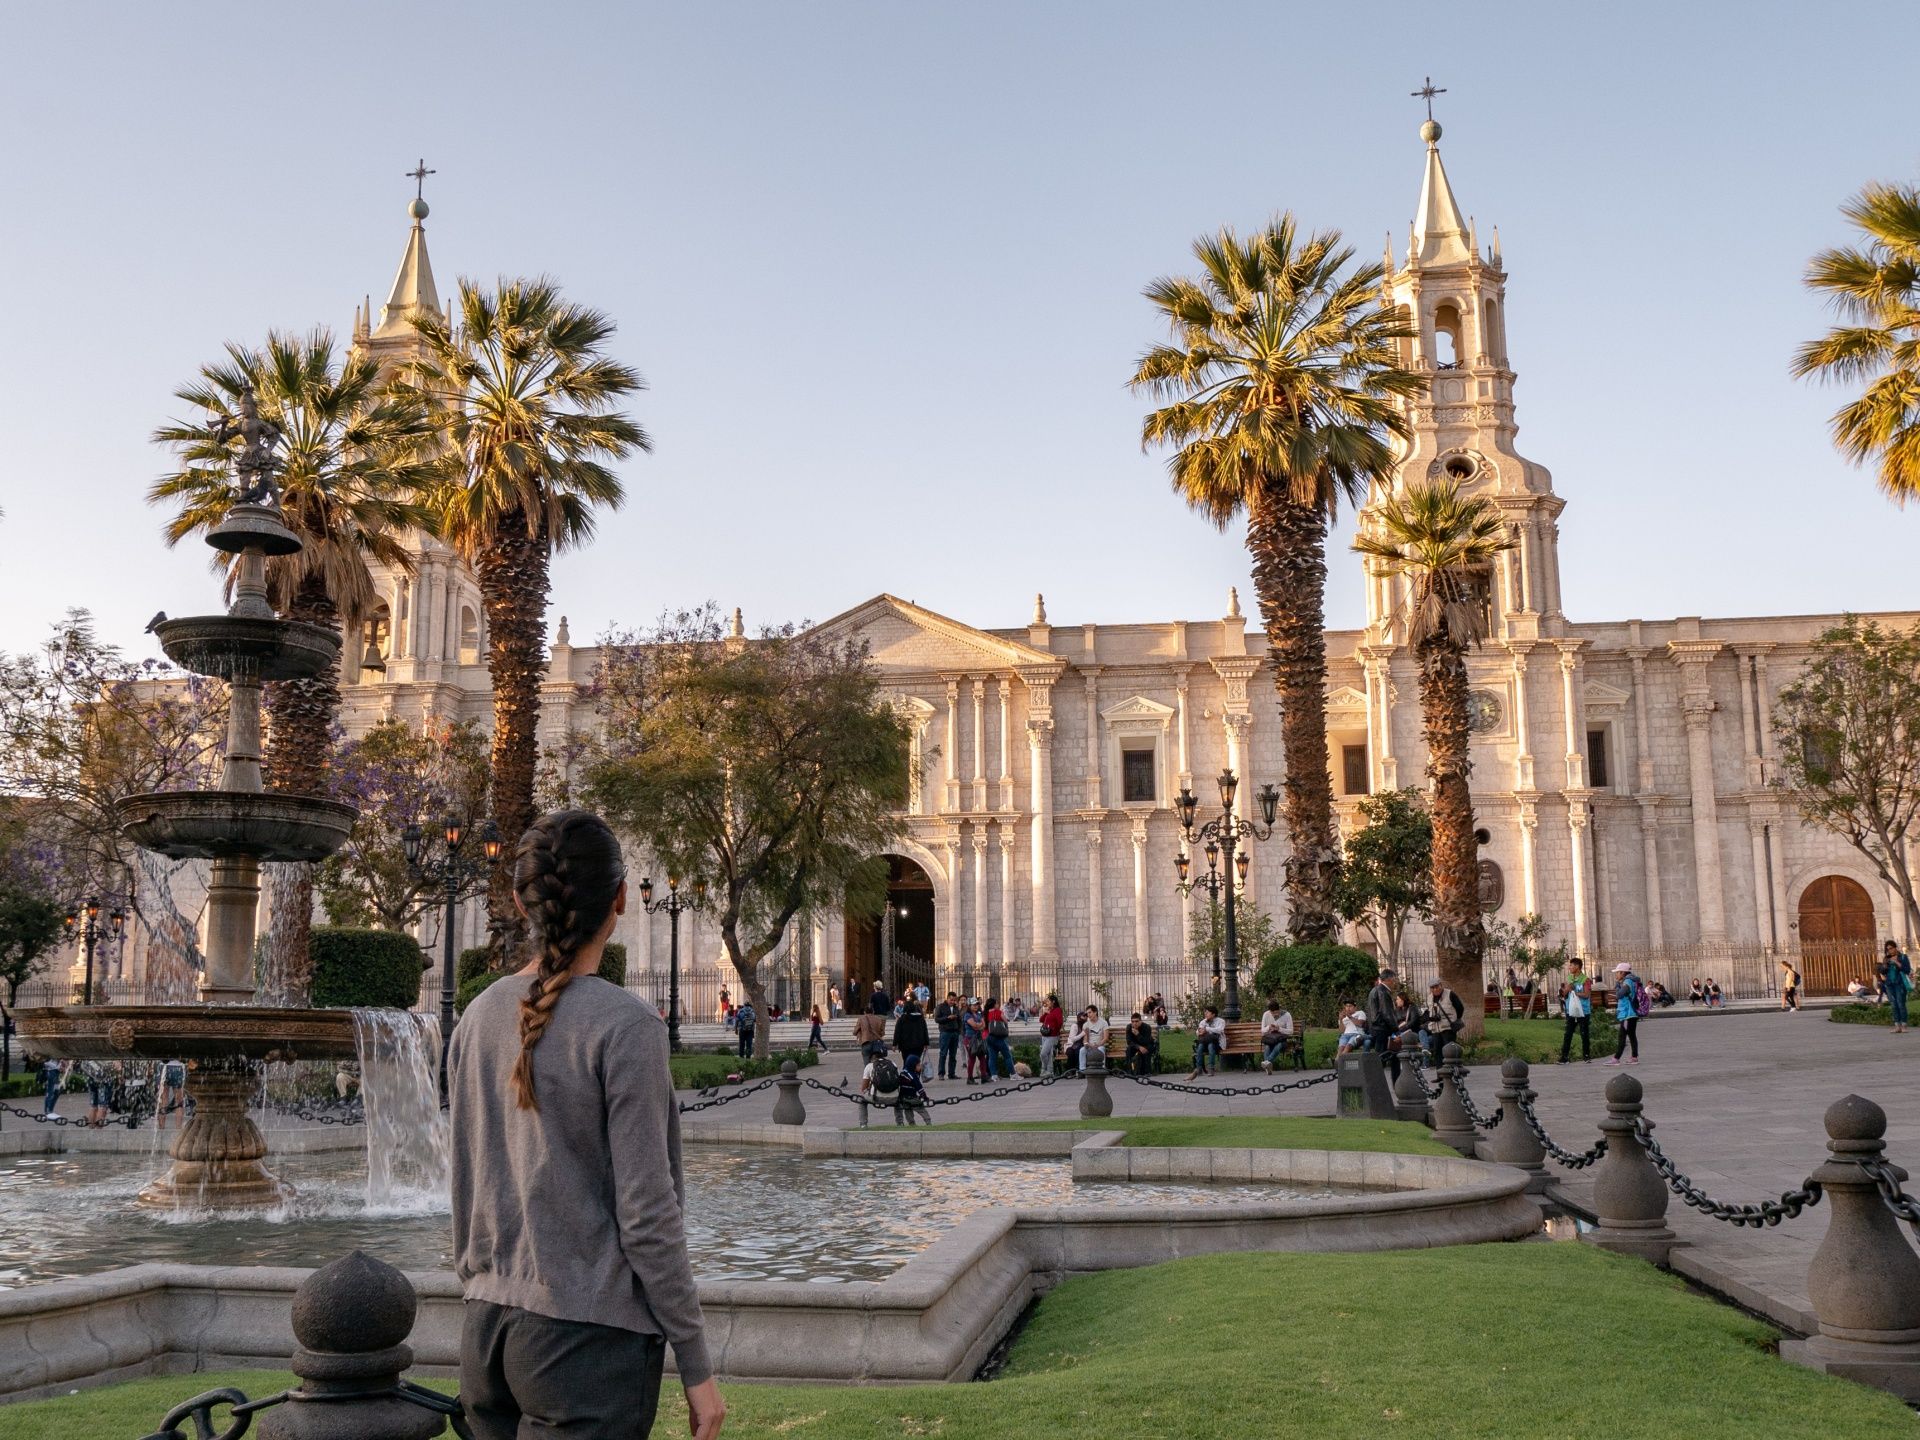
(753, 1215)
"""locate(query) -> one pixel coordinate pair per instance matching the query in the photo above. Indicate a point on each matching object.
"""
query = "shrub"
(1313, 980)
(474, 961)
(1857, 1014)
(365, 967)
(472, 986)
(473, 979)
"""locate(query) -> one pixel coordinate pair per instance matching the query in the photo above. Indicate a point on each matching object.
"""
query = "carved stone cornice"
(1693, 652)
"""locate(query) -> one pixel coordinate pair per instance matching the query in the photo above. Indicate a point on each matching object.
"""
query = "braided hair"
(567, 873)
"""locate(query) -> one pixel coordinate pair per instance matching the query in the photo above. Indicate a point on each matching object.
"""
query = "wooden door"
(1837, 935)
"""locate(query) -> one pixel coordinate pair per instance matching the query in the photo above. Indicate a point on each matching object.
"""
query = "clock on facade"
(1484, 712)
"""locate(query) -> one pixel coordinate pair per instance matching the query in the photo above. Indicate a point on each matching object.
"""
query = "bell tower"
(1453, 296)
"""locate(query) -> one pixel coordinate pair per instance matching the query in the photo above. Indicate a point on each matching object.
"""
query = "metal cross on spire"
(1426, 92)
(419, 175)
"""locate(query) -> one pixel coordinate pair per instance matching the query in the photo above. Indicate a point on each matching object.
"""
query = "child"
(912, 1107)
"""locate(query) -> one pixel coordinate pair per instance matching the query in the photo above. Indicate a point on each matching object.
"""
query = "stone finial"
(563, 636)
(737, 628)
(353, 1304)
(1233, 602)
(1854, 1119)
(1039, 609)
(1513, 1070)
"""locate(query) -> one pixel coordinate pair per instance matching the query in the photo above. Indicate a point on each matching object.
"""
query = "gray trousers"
(524, 1375)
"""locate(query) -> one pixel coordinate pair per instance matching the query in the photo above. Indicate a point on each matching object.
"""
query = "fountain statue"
(217, 1157)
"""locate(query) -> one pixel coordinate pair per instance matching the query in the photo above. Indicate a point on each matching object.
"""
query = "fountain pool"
(755, 1215)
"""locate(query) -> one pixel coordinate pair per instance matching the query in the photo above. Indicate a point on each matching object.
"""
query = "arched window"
(1447, 347)
(376, 643)
(469, 636)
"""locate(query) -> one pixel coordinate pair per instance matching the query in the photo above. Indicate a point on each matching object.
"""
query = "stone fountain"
(217, 1159)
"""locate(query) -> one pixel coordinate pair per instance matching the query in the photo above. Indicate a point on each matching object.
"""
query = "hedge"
(365, 967)
(1854, 1013)
(1312, 980)
(471, 981)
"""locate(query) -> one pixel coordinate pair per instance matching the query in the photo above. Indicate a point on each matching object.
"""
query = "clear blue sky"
(881, 264)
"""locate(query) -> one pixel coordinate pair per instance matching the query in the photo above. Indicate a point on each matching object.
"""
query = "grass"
(1251, 1132)
(696, 1071)
(1561, 1341)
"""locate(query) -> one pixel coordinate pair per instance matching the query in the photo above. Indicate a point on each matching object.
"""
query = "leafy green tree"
(1254, 931)
(1849, 731)
(773, 768)
(31, 913)
(526, 406)
(1281, 388)
(1444, 543)
(1874, 286)
(398, 776)
(1386, 874)
(352, 488)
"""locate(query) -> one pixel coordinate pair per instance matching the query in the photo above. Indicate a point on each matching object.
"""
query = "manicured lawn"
(1251, 1132)
(696, 1071)
(1548, 1340)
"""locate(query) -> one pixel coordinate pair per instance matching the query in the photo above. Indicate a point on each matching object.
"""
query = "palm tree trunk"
(299, 753)
(513, 574)
(1459, 932)
(1288, 544)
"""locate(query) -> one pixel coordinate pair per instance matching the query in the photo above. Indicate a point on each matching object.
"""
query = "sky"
(881, 265)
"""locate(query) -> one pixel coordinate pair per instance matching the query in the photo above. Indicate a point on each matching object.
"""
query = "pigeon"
(159, 619)
(710, 1090)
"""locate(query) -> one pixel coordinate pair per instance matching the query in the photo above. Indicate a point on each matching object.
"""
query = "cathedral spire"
(1440, 231)
(413, 287)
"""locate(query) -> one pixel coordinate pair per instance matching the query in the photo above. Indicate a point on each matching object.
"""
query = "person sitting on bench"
(1277, 1038)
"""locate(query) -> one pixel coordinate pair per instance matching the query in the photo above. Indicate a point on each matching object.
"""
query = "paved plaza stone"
(1736, 1098)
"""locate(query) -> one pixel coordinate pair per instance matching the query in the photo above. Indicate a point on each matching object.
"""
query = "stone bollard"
(352, 1318)
(1865, 1278)
(1095, 1102)
(1410, 1100)
(788, 1108)
(1629, 1197)
(1450, 1123)
(1512, 1141)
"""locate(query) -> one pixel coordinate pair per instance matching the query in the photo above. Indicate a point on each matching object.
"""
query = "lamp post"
(1225, 841)
(83, 923)
(673, 902)
(445, 861)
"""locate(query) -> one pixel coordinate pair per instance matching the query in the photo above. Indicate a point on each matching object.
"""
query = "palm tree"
(1280, 387)
(351, 489)
(1876, 290)
(525, 404)
(1445, 544)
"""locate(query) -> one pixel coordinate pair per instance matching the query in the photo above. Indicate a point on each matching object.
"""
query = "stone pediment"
(901, 636)
(1347, 698)
(1138, 707)
(1601, 696)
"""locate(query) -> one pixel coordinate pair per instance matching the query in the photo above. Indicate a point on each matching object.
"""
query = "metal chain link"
(1484, 1122)
(1229, 1090)
(688, 1107)
(1897, 1200)
(342, 1115)
(39, 1118)
(1419, 1063)
(1565, 1157)
(200, 1409)
(1767, 1212)
(996, 1093)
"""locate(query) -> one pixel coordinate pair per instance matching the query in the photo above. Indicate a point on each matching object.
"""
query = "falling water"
(407, 1140)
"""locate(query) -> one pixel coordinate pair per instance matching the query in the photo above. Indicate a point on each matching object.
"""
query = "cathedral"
(1622, 768)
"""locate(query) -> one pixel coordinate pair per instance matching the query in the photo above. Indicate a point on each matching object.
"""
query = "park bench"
(1536, 1003)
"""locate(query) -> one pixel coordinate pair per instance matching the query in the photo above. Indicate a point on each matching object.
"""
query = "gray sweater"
(574, 1211)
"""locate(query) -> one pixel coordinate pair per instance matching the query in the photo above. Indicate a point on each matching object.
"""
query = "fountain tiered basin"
(215, 824)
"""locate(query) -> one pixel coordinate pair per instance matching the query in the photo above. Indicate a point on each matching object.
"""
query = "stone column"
(950, 936)
(1522, 736)
(1091, 776)
(979, 801)
(1096, 912)
(1185, 763)
(1006, 893)
(1142, 932)
(979, 897)
(1762, 890)
(1579, 814)
(1749, 735)
(1697, 705)
(1576, 729)
(1529, 824)
(1005, 686)
(1045, 943)
(951, 747)
(1650, 861)
(1865, 1278)
(1765, 719)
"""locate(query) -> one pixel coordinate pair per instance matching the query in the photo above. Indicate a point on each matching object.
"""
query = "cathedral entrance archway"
(898, 945)
(1837, 934)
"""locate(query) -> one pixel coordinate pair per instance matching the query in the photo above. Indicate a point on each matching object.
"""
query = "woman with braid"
(568, 1225)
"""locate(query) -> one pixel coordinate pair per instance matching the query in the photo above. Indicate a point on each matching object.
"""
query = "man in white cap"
(1629, 1004)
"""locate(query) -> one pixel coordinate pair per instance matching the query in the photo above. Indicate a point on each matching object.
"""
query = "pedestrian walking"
(99, 1091)
(1576, 1005)
(1789, 985)
(1051, 1020)
(910, 1034)
(744, 1019)
(1440, 1025)
(999, 1041)
(1898, 984)
(173, 1090)
(973, 1029)
(53, 1076)
(724, 1011)
(879, 1001)
(870, 1034)
(1629, 1004)
(816, 1038)
(1383, 1019)
(833, 1001)
(568, 1219)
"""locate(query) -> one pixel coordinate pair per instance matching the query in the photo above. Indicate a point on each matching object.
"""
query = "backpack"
(1637, 993)
(886, 1076)
(997, 1029)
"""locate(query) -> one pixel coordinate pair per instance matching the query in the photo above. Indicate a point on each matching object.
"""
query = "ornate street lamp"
(444, 861)
(673, 902)
(1225, 838)
(83, 924)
